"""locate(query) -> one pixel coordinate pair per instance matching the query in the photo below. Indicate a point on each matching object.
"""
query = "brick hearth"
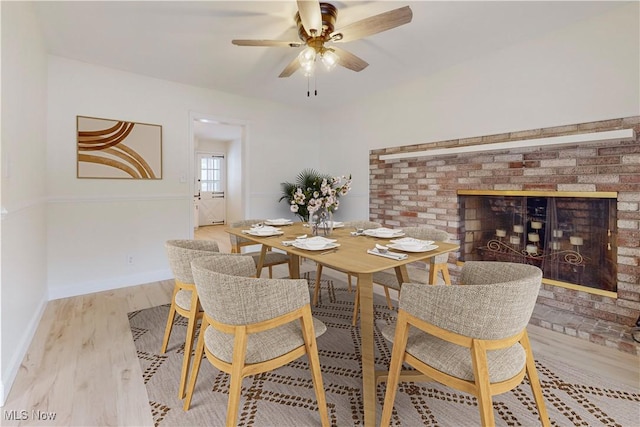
(423, 191)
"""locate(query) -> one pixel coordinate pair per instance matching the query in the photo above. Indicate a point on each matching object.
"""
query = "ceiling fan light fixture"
(307, 57)
(330, 59)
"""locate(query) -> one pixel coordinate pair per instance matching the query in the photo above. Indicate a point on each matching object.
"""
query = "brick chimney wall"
(423, 191)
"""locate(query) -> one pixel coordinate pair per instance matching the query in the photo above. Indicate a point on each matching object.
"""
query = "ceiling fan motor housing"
(329, 16)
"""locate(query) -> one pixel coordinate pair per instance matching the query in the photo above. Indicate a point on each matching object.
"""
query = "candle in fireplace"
(518, 229)
(534, 237)
(501, 233)
(555, 246)
(532, 249)
(536, 225)
(514, 240)
(557, 233)
(576, 240)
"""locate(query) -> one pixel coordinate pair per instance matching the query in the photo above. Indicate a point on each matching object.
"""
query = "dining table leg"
(263, 255)
(433, 272)
(402, 275)
(294, 266)
(365, 283)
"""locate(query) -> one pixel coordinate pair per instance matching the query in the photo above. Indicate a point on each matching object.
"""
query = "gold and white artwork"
(118, 149)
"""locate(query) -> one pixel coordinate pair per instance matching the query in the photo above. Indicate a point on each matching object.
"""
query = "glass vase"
(321, 222)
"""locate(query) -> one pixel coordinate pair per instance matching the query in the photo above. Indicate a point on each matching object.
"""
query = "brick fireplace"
(424, 190)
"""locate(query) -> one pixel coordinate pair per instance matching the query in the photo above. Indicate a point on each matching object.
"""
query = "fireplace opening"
(570, 236)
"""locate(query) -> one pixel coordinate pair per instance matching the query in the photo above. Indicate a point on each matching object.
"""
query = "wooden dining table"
(351, 257)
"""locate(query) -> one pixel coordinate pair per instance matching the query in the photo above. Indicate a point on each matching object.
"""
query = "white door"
(211, 188)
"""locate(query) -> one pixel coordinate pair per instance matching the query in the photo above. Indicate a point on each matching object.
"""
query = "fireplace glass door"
(572, 239)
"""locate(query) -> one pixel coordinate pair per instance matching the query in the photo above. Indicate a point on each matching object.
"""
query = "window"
(211, 173)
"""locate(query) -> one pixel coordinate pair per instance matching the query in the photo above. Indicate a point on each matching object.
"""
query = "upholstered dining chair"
(388, 278)
(471, 337)
(271, 257)
(360, 224)
(253, 325)
(184, 300)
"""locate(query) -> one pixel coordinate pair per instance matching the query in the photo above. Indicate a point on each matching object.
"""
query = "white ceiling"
(190, 42)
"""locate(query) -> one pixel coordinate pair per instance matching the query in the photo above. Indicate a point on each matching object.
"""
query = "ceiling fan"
(316, 28)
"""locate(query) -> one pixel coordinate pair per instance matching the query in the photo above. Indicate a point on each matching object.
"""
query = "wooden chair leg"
(386, 294)
(316, 291)
(192, 325)
(481, 375)
(170, 319)
(349, 282)
(239, 353)
(397, 357)
(445, 273)
(197, 360)
(314, 363)
(532, 373)
(270, 272)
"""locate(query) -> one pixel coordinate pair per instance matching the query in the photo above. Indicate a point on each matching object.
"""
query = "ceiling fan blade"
(277, 43)
(373, 25)
(291, 68)
(311, 16)
(349, 60)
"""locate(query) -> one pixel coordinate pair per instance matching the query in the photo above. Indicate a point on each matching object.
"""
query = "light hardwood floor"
(82, 364)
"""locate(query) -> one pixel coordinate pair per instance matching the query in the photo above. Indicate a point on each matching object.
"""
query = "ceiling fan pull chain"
(315, 85)
(308, 89)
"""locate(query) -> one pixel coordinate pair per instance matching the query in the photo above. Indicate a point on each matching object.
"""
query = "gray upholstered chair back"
(235, 240)
(426, 233)
(495, 301)
(230, 293)
(182, 252)
(364, 224)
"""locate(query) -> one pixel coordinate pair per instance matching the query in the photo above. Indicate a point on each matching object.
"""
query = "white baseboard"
(109, 284)
(9, 375)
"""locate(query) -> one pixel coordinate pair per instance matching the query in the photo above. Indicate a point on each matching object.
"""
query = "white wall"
(211, 145)
(234, 181)
(586, 72)
(109, 220)
(23, 292)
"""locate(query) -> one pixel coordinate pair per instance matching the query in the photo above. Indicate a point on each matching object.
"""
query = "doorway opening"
(210, 188)
(217, 148)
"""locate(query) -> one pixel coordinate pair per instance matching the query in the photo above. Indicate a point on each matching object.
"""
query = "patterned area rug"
(285, 397)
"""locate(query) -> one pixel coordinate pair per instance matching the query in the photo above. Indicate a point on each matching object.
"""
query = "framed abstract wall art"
(118, 149)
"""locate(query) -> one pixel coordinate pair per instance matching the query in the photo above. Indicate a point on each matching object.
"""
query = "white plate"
(413, 248)
(410, 240)
(264, 233)
(279, 221)
(302, 245)
(317, 239)
(385, 233)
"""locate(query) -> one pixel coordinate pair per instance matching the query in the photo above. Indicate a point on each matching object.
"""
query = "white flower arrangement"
(314, 191)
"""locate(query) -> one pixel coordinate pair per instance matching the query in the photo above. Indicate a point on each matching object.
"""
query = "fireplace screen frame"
(536, 236)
